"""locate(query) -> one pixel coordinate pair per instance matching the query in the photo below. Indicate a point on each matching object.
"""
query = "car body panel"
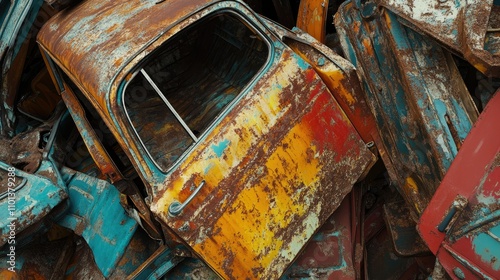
(466, 27)
(255, 178)
(312, 18)
(275, 164)
(422, 107)
(461, 223)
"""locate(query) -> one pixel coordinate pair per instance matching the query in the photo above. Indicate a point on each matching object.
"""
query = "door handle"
(175, 208)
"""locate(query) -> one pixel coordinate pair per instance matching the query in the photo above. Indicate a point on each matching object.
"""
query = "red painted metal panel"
(461, 222)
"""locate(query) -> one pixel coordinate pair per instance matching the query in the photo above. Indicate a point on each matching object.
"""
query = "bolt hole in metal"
(175, 208)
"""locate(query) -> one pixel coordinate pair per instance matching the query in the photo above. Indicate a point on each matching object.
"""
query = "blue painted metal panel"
(34, 197)
(421, 105)
(96, 214)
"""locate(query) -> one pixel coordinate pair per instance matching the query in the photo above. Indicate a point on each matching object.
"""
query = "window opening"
(189, 82)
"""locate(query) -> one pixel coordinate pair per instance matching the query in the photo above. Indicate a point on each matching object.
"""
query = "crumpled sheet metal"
(422, 107)
(95, 213)
(461, 223)
(470, 28)
(35, 197)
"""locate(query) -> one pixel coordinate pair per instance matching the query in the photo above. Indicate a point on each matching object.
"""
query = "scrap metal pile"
(203, 139)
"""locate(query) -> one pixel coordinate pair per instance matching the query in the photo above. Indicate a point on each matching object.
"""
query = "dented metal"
(422, 107)
(470, 28)
(231, 144)
(460, 225)
(276, 161)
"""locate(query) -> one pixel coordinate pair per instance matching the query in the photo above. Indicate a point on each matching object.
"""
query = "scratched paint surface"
(36, 197)
(472, 241)
(312, 18)
(275, 169)
(95, 213)
(465, 26)
(340, 76)
(331, 252)
(276, 166)
(97, 38)
(422, 108)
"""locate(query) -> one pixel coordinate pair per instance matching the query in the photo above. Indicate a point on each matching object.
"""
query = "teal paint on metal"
(466, 27)
(487, 247)
(219, 150)
(301, 63)
(96, 214)
(15, 26)
(461, 223)
(34, 199)
(413, 87)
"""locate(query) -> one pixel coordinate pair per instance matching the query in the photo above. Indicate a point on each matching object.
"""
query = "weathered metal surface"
(312, 18)
(467, 27)
(15, 23)
(42, 99)
(106, 165)
(382, 262)
(240, 164)
(41, 260)
(275, 166)
(159, 264)
(338, 74)
(32, 199)
(92, 44)
(139, 249)
(404, 235)
(422, 107)
(331, 252)
(82, 265)
(461, 223)
(16, 20)
(95, 213)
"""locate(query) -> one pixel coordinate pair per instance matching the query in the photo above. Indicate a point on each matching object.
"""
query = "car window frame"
(136, 70)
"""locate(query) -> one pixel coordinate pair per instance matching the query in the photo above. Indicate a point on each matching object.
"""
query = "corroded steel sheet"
(312, 19)
(470, 27)
(331, 252)
(341, 78)
(95, 213)
(275, 165)
(34, 196)
(460, 224)
(338, 74)
(422, 107)
(99, 37)
(274, 169)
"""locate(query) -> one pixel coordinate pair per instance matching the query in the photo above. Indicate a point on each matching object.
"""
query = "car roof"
(94, 40)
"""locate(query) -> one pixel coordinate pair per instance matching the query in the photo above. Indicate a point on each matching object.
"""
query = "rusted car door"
(251, 152)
